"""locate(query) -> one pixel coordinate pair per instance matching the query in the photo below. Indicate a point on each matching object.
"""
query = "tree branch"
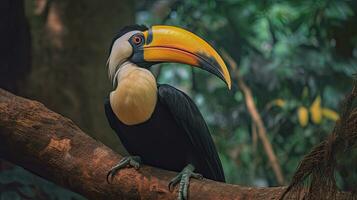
(257, 120)
(53, 147)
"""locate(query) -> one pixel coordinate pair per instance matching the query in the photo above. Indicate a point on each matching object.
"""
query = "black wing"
(112, 119)
(189, 118)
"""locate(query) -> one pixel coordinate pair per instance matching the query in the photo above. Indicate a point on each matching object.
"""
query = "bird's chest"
(157, 141)
(156, 134)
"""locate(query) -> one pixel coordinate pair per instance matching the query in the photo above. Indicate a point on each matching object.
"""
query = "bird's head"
(147, 46)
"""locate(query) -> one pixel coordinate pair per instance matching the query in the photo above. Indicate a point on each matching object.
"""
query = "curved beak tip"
(229, 86)
(228, 82)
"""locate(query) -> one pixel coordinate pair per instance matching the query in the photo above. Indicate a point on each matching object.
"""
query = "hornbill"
(158, 124)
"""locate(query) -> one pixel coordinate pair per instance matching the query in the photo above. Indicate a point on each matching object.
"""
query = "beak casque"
(173, 44)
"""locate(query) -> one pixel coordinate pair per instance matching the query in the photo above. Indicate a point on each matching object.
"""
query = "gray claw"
(184, 179)
(127, 161)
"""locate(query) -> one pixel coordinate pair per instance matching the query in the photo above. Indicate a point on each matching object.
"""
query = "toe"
(184, 183)
(185, 190)
(109, 177)
(135, 164)
(126, 161)
(197, 176)
(173, 182)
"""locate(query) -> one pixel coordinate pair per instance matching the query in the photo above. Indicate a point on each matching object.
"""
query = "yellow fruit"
(330, 114)
(279, 102)
(315, 110)
(303, 116)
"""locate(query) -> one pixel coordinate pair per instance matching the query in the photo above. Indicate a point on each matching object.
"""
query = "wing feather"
(189, 118)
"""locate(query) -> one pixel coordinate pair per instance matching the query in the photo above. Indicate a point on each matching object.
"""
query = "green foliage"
(294, 51)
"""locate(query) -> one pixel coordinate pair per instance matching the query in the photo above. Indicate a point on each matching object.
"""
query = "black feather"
(190, 120)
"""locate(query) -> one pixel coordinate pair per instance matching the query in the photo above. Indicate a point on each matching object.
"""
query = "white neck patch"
(120, 52)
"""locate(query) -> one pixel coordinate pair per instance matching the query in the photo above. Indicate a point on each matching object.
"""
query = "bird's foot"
(127, 161)
(183, 178)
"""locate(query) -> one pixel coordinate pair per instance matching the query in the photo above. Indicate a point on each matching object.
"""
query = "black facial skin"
(127, 29)
(138, 56)
(137, 41)
(138, 59)
(138, 51)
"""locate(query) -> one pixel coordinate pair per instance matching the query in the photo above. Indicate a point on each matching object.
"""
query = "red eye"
(137, 39)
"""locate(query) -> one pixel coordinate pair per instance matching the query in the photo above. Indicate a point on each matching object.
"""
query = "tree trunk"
(70, 47)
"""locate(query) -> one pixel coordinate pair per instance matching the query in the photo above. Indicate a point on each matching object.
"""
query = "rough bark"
(53, 147)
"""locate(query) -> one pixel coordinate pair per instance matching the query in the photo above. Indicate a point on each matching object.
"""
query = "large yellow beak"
(173, 44)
